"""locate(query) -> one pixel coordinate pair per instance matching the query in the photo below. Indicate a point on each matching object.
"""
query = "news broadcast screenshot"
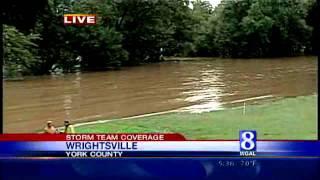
(160, 89)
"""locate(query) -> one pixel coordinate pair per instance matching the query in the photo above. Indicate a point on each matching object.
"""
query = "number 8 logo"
(247, 140)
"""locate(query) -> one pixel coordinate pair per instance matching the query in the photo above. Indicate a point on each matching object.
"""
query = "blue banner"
(157, 149)
(161, 168)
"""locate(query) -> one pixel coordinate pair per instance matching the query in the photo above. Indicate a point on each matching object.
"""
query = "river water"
(194, 86)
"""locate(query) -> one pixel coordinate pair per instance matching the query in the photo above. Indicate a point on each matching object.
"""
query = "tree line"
(132, 32)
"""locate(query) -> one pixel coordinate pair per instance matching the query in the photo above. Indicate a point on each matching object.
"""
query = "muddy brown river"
(193, 86)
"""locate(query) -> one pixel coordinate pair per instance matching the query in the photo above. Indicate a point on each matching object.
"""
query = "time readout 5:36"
(239, 163)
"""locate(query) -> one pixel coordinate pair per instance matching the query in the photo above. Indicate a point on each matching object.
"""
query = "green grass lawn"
(291, 118)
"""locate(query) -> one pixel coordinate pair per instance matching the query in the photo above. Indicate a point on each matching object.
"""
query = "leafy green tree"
(146, 27)
(54, 48)
(229, 36)
(100, 45)
(20, 56)
(183, 28)
(253, 28)
(202, 14)
(132, 32)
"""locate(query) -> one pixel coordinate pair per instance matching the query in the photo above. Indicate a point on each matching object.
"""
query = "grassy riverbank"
(291, 118)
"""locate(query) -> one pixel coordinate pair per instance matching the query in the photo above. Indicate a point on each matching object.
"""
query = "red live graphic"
(79, 19)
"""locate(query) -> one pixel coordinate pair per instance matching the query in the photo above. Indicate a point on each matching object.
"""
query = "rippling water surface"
(192, 86)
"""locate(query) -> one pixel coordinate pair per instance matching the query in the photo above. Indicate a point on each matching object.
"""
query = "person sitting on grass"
(68, 128)
(50, 129)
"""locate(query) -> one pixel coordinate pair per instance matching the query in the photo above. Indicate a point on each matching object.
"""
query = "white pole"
(244, 108)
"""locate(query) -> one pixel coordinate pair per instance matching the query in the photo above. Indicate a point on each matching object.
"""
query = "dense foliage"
(131, 32)
(19, 52)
